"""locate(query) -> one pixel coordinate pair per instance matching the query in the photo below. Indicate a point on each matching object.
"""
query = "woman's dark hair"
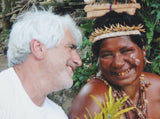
(113, 18)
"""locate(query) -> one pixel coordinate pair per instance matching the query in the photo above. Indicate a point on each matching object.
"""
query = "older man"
(41, 58)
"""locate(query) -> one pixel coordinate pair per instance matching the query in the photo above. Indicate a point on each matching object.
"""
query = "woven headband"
(114, 31)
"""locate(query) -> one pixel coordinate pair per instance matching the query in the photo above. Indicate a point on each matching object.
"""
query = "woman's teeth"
(123, 73)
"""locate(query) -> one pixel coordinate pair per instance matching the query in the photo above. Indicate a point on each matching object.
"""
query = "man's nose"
(76, 59)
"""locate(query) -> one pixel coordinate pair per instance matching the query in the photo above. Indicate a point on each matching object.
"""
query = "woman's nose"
(118, 61)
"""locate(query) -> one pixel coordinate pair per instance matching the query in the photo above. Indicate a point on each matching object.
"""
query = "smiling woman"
(119, 45)
(116, 62)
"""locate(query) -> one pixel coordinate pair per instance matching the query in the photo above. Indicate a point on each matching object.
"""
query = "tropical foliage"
(150, 12)
(88, 68)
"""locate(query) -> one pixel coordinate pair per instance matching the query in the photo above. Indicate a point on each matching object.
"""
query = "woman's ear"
(37, 49)
(144, 51)
(145, 59)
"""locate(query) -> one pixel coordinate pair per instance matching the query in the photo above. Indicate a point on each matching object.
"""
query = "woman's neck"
(132, 90)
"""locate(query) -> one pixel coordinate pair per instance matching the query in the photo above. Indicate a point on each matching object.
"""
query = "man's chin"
(68, 84)
(66, 80)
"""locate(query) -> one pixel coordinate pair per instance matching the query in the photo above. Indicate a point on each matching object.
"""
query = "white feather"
(89, 1)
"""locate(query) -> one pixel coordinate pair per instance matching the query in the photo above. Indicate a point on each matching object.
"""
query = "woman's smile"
(121, 73)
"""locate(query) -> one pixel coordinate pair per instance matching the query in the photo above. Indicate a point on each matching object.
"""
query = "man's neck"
(31, 84)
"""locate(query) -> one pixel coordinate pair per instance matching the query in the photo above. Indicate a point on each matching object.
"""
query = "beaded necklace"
(140, 110)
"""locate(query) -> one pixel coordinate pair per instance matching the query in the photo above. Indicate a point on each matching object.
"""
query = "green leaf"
(123, 111)
(110, 109)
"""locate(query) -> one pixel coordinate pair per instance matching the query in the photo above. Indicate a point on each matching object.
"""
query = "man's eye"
(72, 47)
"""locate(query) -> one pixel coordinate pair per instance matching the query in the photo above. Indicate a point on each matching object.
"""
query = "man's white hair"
(43, 26)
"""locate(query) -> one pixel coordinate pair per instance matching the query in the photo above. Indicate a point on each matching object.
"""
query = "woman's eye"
(106, 55)
(126, 51)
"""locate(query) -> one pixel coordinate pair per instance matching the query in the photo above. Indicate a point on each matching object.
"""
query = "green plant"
(68, 1)
(110, 109)
(4, 35)
(152, 20)
(4, 41)
(88, 68)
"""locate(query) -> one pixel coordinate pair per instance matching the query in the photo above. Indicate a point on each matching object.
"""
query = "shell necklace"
(140, 110)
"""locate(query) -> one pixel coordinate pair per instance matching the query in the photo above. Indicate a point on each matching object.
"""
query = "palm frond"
(110, 109)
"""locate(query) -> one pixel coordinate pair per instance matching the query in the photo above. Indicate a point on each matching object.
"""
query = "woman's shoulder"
(153, 79)
(96, 86)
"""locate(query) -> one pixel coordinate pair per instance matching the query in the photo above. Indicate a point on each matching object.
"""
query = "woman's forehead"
(116, 40)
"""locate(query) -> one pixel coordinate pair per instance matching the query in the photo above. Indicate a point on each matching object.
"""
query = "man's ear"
(37, 49)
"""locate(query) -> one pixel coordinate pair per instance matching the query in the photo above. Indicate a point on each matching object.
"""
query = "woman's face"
(121, 60)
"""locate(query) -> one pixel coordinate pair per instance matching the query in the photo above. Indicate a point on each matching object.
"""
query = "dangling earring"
(146, 61)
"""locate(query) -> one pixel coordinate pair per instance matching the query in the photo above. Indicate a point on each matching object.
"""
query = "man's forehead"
(68, 38)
